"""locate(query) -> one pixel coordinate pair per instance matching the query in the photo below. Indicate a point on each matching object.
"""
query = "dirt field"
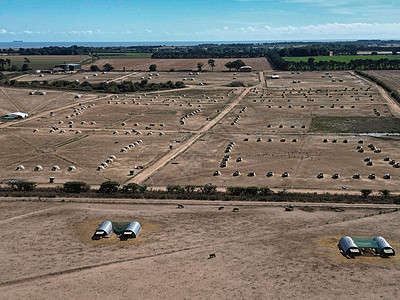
(48, 253)
(391, 77)
(140, 64)
(295, 117)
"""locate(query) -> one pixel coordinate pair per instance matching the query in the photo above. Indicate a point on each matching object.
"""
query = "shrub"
(365, 192)
(76, 187)
(208, 189)
(109, 187)
(26, 186)
(175, 189)
(236, 84)
(134, 188)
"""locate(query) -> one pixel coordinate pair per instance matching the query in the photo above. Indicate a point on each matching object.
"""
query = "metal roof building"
(69, 67)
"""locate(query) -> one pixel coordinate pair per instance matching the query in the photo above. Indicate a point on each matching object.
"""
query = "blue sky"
(207, 20)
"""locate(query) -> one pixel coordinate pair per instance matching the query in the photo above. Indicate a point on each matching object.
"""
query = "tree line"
(355, 64)
(113, 189)
(111, 87)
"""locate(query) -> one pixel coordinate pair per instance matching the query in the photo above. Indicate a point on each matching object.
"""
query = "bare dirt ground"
(391, 77)
(190, 153)
(137, 64)
(261, 252)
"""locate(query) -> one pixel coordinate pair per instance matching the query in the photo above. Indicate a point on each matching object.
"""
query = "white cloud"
(226, 28)
(81, 32)
(3, 31)
(148, 30)
(251, 28)
(27, 32)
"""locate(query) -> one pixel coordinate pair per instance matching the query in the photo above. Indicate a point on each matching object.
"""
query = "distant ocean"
(19, 44)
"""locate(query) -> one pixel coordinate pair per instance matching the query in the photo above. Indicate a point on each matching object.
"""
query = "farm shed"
(132, 230)
(103, 231)
(245, 69)
(16, 115)
(69, 67)
(348, 247)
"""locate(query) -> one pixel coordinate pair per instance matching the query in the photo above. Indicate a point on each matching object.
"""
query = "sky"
(207, 20)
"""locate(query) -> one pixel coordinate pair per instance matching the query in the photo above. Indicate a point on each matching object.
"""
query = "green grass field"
(344, 58)
(354, 125)
(125, 55)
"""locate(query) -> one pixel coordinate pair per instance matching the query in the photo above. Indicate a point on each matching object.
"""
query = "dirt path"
(121, 77)
(9, 99)
(162, 161)
(28, 214)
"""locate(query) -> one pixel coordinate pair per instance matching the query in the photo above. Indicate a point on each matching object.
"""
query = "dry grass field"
(142, 64)
(260, 252)
(391, 77)
(282, 129)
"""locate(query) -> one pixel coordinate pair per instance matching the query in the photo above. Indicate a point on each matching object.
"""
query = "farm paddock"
(303, 124)
(291, 254)
(142, 64)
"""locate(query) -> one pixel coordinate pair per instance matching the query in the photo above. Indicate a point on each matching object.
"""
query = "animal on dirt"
(212, 255)
(235, 209)
(221, 208)
(180, 206)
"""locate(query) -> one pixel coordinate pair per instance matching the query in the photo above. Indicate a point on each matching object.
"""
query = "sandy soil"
(261, 252)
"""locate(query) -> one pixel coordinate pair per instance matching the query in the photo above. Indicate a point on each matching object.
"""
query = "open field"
(124, 55)
(343, 58)
(209, 78)
(39, 62)
(391, 77)
(277, 125)
(48, 253)
(139, 64)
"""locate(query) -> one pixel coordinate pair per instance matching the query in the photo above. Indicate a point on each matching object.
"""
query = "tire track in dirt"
(9, 99)
(28, 214)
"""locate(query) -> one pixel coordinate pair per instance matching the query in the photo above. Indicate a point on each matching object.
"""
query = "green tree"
(211, 63)
(365, 192)
(200, 66)
(384, 193)
(109, 187)
(229, 65)
(76, 187)
(94, 68)
(26, 60)
(2, 63)
(21, 185)
(2, 75)
(108, 67)
(237, 64)
(134, 188)
(153, 68)
(25, 67)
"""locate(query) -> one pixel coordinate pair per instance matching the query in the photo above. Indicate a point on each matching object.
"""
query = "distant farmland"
(125, 55)
(44, 61)
(344, 58)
